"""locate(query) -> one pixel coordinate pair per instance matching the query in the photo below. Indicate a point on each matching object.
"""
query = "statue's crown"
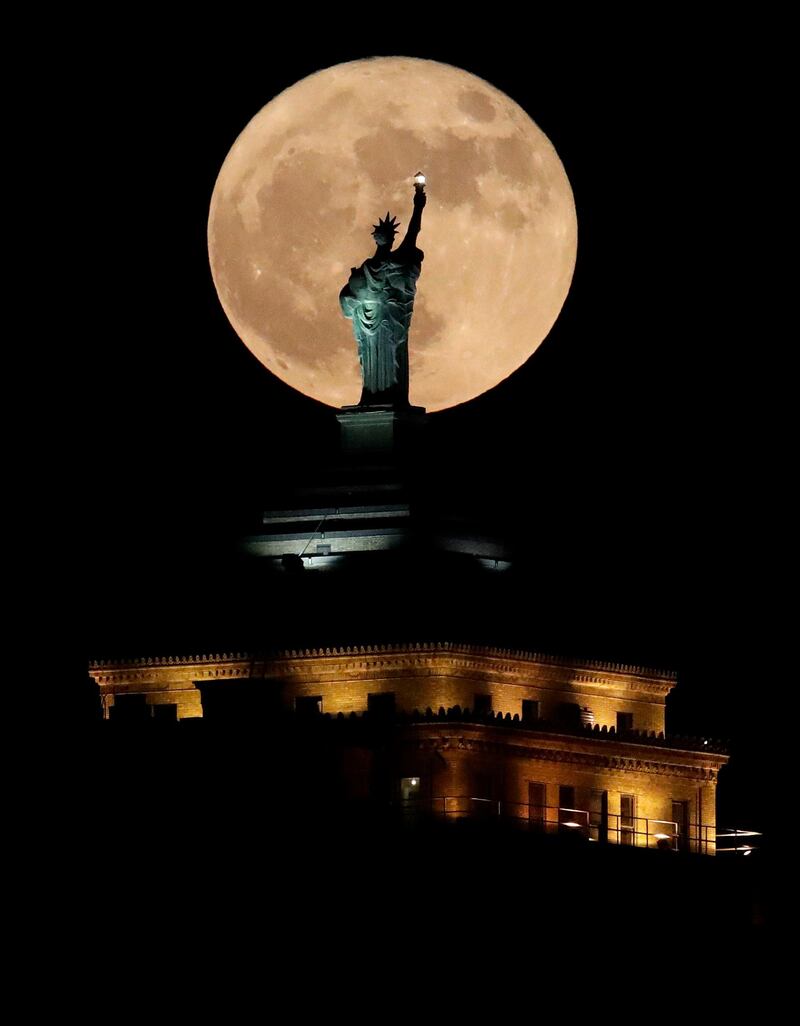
(386, 226)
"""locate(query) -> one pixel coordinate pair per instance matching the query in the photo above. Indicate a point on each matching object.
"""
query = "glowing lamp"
(414, 781)
(419, 181)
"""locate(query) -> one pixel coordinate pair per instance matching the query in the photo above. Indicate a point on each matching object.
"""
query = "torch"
(419, 181)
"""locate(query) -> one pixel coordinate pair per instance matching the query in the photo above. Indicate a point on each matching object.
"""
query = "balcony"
(581, 825)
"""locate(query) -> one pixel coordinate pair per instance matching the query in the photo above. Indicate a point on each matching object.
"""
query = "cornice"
(437, 658)
(506, 658)
(565, 750)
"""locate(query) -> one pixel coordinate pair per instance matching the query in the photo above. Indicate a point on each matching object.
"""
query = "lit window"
(410, 790)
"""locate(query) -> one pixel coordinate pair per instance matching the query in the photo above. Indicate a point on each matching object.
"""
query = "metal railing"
(593, 826)
(738, 842)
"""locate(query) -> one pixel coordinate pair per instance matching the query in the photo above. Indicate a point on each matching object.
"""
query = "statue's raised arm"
(415, 224)
(379, 299)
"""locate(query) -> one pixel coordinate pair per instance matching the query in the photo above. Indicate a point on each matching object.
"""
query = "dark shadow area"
(296, 818)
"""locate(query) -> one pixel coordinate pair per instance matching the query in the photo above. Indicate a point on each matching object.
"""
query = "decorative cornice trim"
(459, 740)
(512, 657)
(515, 655)
(187, 660)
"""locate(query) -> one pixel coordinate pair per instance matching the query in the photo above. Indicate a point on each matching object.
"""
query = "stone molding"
(434, 659)
(567, 749)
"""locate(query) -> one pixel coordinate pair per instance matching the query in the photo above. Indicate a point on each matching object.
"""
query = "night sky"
(628, 450)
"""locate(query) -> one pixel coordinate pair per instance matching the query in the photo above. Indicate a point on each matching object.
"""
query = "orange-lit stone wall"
(473, 763)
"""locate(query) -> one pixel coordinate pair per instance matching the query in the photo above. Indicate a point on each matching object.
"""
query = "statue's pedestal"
(379, 429)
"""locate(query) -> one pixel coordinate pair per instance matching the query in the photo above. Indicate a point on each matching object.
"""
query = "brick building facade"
(555, 745)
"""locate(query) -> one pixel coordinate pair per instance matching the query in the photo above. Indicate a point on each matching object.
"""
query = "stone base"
(378, 429)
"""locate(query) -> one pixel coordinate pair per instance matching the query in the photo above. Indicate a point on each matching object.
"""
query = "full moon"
(294, 204)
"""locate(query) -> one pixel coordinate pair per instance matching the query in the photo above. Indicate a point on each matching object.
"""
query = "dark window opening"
(598, 816)
(536, 804)
(624, 721)
(571, 819)
(680, 814)
(566, 806)
(627, 819)
(482, 804)
(165, 712)
(308, 705)
(482, 704)
(530, 710)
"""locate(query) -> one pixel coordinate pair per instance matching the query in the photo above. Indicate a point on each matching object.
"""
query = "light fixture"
(419, 181)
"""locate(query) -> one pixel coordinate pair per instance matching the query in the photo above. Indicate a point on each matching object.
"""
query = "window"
(482, 704)
(482, 786)
(530, 710)
(536, 804)
(412, 807)
(165, 712)
(627, 819)
(381, 704)
(566, 807)
(308, 705)
(410, 790)
(573, 817)
(680, 815)
(624, 721)
(481, 798)
(598, 816)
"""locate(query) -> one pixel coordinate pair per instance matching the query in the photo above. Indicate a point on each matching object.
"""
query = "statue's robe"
(379, 299)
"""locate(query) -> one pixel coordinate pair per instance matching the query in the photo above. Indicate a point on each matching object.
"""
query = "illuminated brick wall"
(420, 677)
(477, 763)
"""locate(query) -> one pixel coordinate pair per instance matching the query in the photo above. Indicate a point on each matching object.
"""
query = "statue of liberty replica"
(379, 299)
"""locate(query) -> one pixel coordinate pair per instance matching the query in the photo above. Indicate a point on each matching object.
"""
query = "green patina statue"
(379, 299)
